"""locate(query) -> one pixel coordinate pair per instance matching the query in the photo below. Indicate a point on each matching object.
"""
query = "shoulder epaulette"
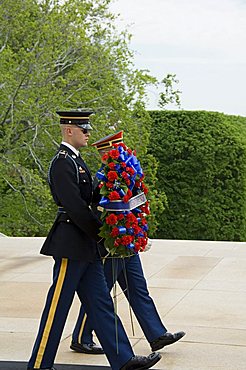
(62, 154)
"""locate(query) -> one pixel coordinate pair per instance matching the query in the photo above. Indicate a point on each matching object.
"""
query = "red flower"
(126, 239)
(111, 219)
(144, 222)
(123, 146)
(114, 195)
(137, 247)
(129, 193)
(145, 208)
(123, 164)
(130, 170)
(117, 242)
(115, 232)
(109, 185)
(131, 218)
(145, 189)
(142, 241)
(101, 185)
(127, 181)
(111, 165)
(112, 175)
(124, 174)
(137, 229)
(120, 144)
(105, 157)
(120, 216)
(126, 198)
(114, 153)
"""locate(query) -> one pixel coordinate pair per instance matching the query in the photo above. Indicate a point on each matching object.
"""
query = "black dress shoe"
(31, 368)
(142, 362)
(90, 348)
(165, 340)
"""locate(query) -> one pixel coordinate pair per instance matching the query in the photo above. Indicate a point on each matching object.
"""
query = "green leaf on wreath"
(104, 190)
(109, 243)
(125, 188)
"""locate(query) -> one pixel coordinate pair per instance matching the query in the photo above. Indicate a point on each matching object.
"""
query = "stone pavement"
(198, 287)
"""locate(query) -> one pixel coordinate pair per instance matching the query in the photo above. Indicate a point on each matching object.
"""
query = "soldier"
(73, 243)
(129, 274)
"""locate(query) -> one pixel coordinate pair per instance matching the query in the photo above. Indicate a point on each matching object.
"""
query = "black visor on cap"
(79, 118)
(86, 126)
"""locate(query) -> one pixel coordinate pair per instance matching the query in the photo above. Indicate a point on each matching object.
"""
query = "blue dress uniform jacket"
(75, 231)
(72, 242)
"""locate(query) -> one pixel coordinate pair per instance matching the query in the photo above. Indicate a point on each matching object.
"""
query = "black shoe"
(165, 340)
(31, 368)
(90, 348)
(142, 362)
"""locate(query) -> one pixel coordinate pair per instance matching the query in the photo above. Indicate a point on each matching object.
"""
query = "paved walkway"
(198, 287)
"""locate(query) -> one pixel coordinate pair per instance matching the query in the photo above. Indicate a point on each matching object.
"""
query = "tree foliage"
(57, 56)
(202, 169)
(170, 95)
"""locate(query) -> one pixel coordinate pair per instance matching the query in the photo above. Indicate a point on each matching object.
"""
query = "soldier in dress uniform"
(73, 243)
(129, 274)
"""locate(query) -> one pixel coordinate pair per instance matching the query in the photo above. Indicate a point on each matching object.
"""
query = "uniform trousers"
(88, 281)
(129, 274)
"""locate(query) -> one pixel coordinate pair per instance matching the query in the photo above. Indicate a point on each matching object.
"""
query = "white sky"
(203, 42)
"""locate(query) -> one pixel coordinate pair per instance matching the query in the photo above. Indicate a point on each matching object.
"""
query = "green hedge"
(202, 169)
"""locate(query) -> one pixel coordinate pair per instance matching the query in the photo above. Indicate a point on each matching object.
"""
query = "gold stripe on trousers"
(82, 328)
(51, 313)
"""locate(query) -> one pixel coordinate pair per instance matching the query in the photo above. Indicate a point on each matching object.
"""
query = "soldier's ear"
(69, 130)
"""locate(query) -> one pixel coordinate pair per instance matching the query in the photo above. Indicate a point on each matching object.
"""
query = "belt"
(62, 215)
(62, 210)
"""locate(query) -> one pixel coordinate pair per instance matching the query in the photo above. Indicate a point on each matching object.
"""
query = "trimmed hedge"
(202, 170)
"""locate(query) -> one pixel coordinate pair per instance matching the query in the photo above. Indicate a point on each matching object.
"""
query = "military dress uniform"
(72, 242)
(129, 274)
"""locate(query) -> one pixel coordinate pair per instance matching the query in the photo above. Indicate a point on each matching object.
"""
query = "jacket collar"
(75, 151)
(79, 159)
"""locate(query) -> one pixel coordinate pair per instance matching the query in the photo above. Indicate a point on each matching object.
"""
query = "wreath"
(125, 207)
